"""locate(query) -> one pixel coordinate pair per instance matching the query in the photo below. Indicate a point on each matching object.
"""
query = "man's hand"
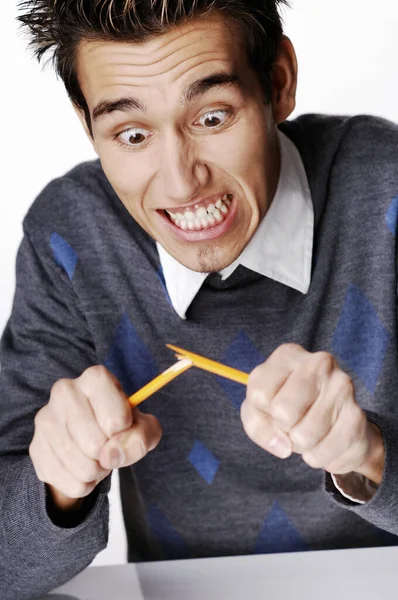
(87, 429)
(302, 402)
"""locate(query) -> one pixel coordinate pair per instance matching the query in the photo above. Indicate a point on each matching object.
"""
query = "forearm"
(37, 554)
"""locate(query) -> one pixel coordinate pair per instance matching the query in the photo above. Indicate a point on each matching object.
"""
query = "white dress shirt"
(280, 249)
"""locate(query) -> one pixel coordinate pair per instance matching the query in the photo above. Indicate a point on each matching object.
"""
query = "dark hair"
(60, 25)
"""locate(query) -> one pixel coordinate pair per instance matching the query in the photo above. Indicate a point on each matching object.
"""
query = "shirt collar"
(281, 248)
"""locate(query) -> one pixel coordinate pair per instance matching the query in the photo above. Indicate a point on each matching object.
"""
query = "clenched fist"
(87, 429)
(302, 402)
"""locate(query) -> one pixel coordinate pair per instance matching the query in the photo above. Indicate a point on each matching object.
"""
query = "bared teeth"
(201, 217)
(224, 209)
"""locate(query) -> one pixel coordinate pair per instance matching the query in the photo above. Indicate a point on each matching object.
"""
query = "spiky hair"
(58, 26)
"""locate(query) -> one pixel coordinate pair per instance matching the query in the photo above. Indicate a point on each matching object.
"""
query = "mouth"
(201, 216)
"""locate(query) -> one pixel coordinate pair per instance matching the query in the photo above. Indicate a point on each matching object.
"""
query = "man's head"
(181, 99)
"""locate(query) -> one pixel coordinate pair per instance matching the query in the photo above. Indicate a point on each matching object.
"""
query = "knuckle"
(288, 348)
(255, 378)
(346, 385)
(60, 389)
(43, 421)
(96, 373)
(324, 361)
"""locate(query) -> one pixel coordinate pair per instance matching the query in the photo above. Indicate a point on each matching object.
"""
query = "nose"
(183, 175)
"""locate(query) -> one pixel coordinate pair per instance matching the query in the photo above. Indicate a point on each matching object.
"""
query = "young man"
(213, 223)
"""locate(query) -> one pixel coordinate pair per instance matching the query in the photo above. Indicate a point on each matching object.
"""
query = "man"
(213, 223)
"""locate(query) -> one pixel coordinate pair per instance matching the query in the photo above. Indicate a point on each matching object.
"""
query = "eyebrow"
(193, 91)
(201, 86)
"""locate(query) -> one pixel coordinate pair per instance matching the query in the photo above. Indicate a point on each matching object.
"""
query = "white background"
(347, 53)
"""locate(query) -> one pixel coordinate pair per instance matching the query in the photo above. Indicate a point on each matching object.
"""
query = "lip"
(204, 235)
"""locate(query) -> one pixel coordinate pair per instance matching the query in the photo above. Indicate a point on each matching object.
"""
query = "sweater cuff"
(382, 509)
(30, 526)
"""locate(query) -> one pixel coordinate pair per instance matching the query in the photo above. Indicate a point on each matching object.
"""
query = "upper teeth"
(198, 218)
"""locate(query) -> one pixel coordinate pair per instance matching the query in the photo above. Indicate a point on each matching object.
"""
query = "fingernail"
(116, 458)
(280, 446)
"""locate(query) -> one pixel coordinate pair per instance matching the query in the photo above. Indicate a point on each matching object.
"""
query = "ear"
(284, 82)
(82, 118)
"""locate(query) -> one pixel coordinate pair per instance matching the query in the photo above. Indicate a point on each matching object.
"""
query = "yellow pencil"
(211, 365)
(161, 380)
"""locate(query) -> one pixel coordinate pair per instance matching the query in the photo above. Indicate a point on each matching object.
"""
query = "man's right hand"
(87, 429)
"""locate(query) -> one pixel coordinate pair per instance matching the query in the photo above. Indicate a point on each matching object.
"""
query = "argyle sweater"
(90, 291)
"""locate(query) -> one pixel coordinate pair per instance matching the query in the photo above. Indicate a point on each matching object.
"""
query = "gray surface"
(369, 574)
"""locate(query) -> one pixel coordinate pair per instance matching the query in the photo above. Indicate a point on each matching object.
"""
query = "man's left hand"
(303, 402)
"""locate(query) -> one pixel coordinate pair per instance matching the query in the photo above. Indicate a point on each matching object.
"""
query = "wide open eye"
(214, 119)
(133, 137)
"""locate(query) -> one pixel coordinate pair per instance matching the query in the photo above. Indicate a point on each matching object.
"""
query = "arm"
(46, 339)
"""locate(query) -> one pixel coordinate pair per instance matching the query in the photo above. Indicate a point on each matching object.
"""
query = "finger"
(108, 401)
(264, 432)
(79, 466)
(51, 471)
(342, 450)
(69, 406)
(128, 447)
(294, 399)
(266, 380)
(323, 414)
(83, 426)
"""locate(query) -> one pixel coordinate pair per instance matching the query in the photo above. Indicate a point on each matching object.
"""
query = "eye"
(214, 119)
(135, 136)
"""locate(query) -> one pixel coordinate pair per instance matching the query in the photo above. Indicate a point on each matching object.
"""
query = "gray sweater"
(90, 290)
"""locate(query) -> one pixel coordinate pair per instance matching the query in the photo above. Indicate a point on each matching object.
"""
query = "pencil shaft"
(160, 381)
(212, 366)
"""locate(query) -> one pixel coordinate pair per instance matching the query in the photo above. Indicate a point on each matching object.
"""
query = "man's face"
(184, 138)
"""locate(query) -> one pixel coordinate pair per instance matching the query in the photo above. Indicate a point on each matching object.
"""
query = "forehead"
(162, 64)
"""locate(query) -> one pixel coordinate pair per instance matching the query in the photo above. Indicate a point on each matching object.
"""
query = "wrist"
(373, 466)
(61, 502)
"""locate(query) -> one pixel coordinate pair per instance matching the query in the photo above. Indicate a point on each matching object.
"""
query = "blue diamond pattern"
(204, 462)
(392, 216)
(278, 534)
(243, 355)
(64, 255)
(129, 359)
(360, 339)
(171, 543)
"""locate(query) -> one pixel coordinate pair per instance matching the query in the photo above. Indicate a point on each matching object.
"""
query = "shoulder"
(75, 196)
(364, 136)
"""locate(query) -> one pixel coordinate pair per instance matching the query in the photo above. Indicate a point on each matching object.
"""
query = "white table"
(368, 574)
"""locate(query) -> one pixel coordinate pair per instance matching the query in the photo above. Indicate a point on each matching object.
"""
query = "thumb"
(130, 446)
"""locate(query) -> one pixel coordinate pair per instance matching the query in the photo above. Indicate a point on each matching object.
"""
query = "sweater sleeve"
(382, 509)
(46, 338)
